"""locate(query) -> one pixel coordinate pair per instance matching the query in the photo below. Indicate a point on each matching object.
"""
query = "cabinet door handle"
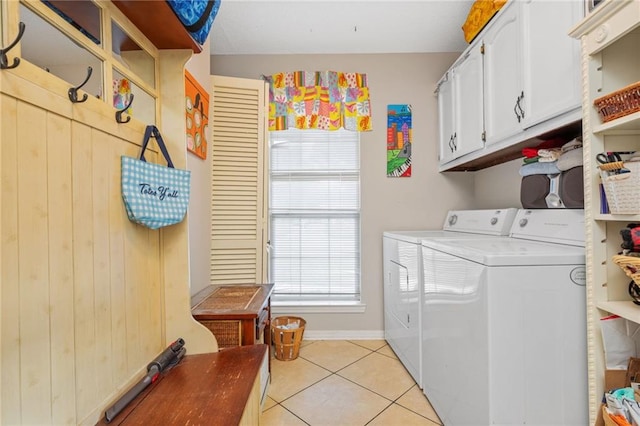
(455, 139)
(520, 106)
(515, 108)
(451, 143)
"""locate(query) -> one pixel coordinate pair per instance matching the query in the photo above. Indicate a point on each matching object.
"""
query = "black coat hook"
(4, 61)
(73, 92)
(121, 111)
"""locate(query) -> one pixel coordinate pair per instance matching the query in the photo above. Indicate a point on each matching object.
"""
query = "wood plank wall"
(83, 296)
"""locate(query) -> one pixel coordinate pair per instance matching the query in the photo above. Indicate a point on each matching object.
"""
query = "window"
(315, 216)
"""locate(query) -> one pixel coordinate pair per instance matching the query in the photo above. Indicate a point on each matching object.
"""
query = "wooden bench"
(221, 388)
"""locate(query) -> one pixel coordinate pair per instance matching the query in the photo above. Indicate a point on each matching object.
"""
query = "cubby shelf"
(610, 36)
(629, 124)
(624, 309)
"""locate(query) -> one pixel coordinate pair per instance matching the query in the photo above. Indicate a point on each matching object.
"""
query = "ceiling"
(246, 27)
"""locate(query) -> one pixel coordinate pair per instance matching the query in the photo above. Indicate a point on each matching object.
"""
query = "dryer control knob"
(494, 220)
(523, 223)
(453, 219)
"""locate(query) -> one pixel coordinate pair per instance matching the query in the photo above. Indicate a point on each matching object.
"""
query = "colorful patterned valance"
(326, 100)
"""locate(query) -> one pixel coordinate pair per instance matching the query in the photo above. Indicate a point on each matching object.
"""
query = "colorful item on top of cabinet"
(154, 195)
(121, 94)
(196, 16)
(399, 140)
(326, 100)
(197, 111)
(479, 15)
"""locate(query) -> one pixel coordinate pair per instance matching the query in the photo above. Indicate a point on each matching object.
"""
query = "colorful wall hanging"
(326, 100)
(197, 111)
(399, 140)
(121, 94)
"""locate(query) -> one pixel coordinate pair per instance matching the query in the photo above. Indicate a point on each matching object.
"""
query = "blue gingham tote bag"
(154, 195)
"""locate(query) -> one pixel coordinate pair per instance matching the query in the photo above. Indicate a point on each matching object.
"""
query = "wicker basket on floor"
(286, 333)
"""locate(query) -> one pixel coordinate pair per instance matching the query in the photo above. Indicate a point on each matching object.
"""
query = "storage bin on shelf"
(622, 190)
(287, 335)
(619, 103)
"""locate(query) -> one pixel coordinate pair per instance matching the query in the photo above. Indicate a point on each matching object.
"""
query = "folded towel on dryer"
(548, 144)
(549, 155)
(531, 160)
(570, 159)
(572, 144)
(548, 168)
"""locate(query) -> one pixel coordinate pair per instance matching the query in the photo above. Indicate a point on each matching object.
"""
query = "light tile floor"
(345, 383)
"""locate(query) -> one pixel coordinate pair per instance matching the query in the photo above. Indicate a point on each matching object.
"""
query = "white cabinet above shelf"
(529, 87)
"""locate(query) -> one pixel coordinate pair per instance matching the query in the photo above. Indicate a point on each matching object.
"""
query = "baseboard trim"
(343, 335)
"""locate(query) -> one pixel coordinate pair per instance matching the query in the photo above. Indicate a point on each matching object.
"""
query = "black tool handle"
(171, 355)
(167, 356)
(120, 404)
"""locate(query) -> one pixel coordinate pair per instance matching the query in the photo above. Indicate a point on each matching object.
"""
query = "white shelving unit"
(610, 39)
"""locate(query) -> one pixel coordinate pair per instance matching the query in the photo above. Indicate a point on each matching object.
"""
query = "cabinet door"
(502, 76)
(468, 102)
(446, 119)
(551, 59)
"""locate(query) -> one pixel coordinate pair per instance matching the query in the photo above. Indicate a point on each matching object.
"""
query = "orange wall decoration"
(197, 111)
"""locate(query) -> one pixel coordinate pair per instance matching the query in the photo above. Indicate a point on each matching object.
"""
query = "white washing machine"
(504, 324)
(403, 276)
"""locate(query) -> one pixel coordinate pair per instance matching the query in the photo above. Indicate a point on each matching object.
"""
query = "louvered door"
(239, 181)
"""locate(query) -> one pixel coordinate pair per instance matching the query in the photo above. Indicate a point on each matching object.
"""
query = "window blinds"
(315, 215)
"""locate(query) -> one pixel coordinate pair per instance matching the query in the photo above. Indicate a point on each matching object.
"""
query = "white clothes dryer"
(504, 324)
(403, 276)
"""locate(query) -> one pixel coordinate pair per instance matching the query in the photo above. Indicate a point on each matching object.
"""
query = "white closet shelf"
(624, 309)
(629, 124)
(618, 217)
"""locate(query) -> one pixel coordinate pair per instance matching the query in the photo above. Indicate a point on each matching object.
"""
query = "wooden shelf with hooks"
(158, 23)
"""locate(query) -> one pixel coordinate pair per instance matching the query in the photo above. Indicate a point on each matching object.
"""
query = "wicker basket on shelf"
(619, 103)
(630, 265)
(622, 190)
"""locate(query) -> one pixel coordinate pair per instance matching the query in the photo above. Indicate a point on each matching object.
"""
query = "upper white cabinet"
(550, 59)
(459, 100)
(503, 75)
(532, 66)
(530, 82)
(446, 118)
